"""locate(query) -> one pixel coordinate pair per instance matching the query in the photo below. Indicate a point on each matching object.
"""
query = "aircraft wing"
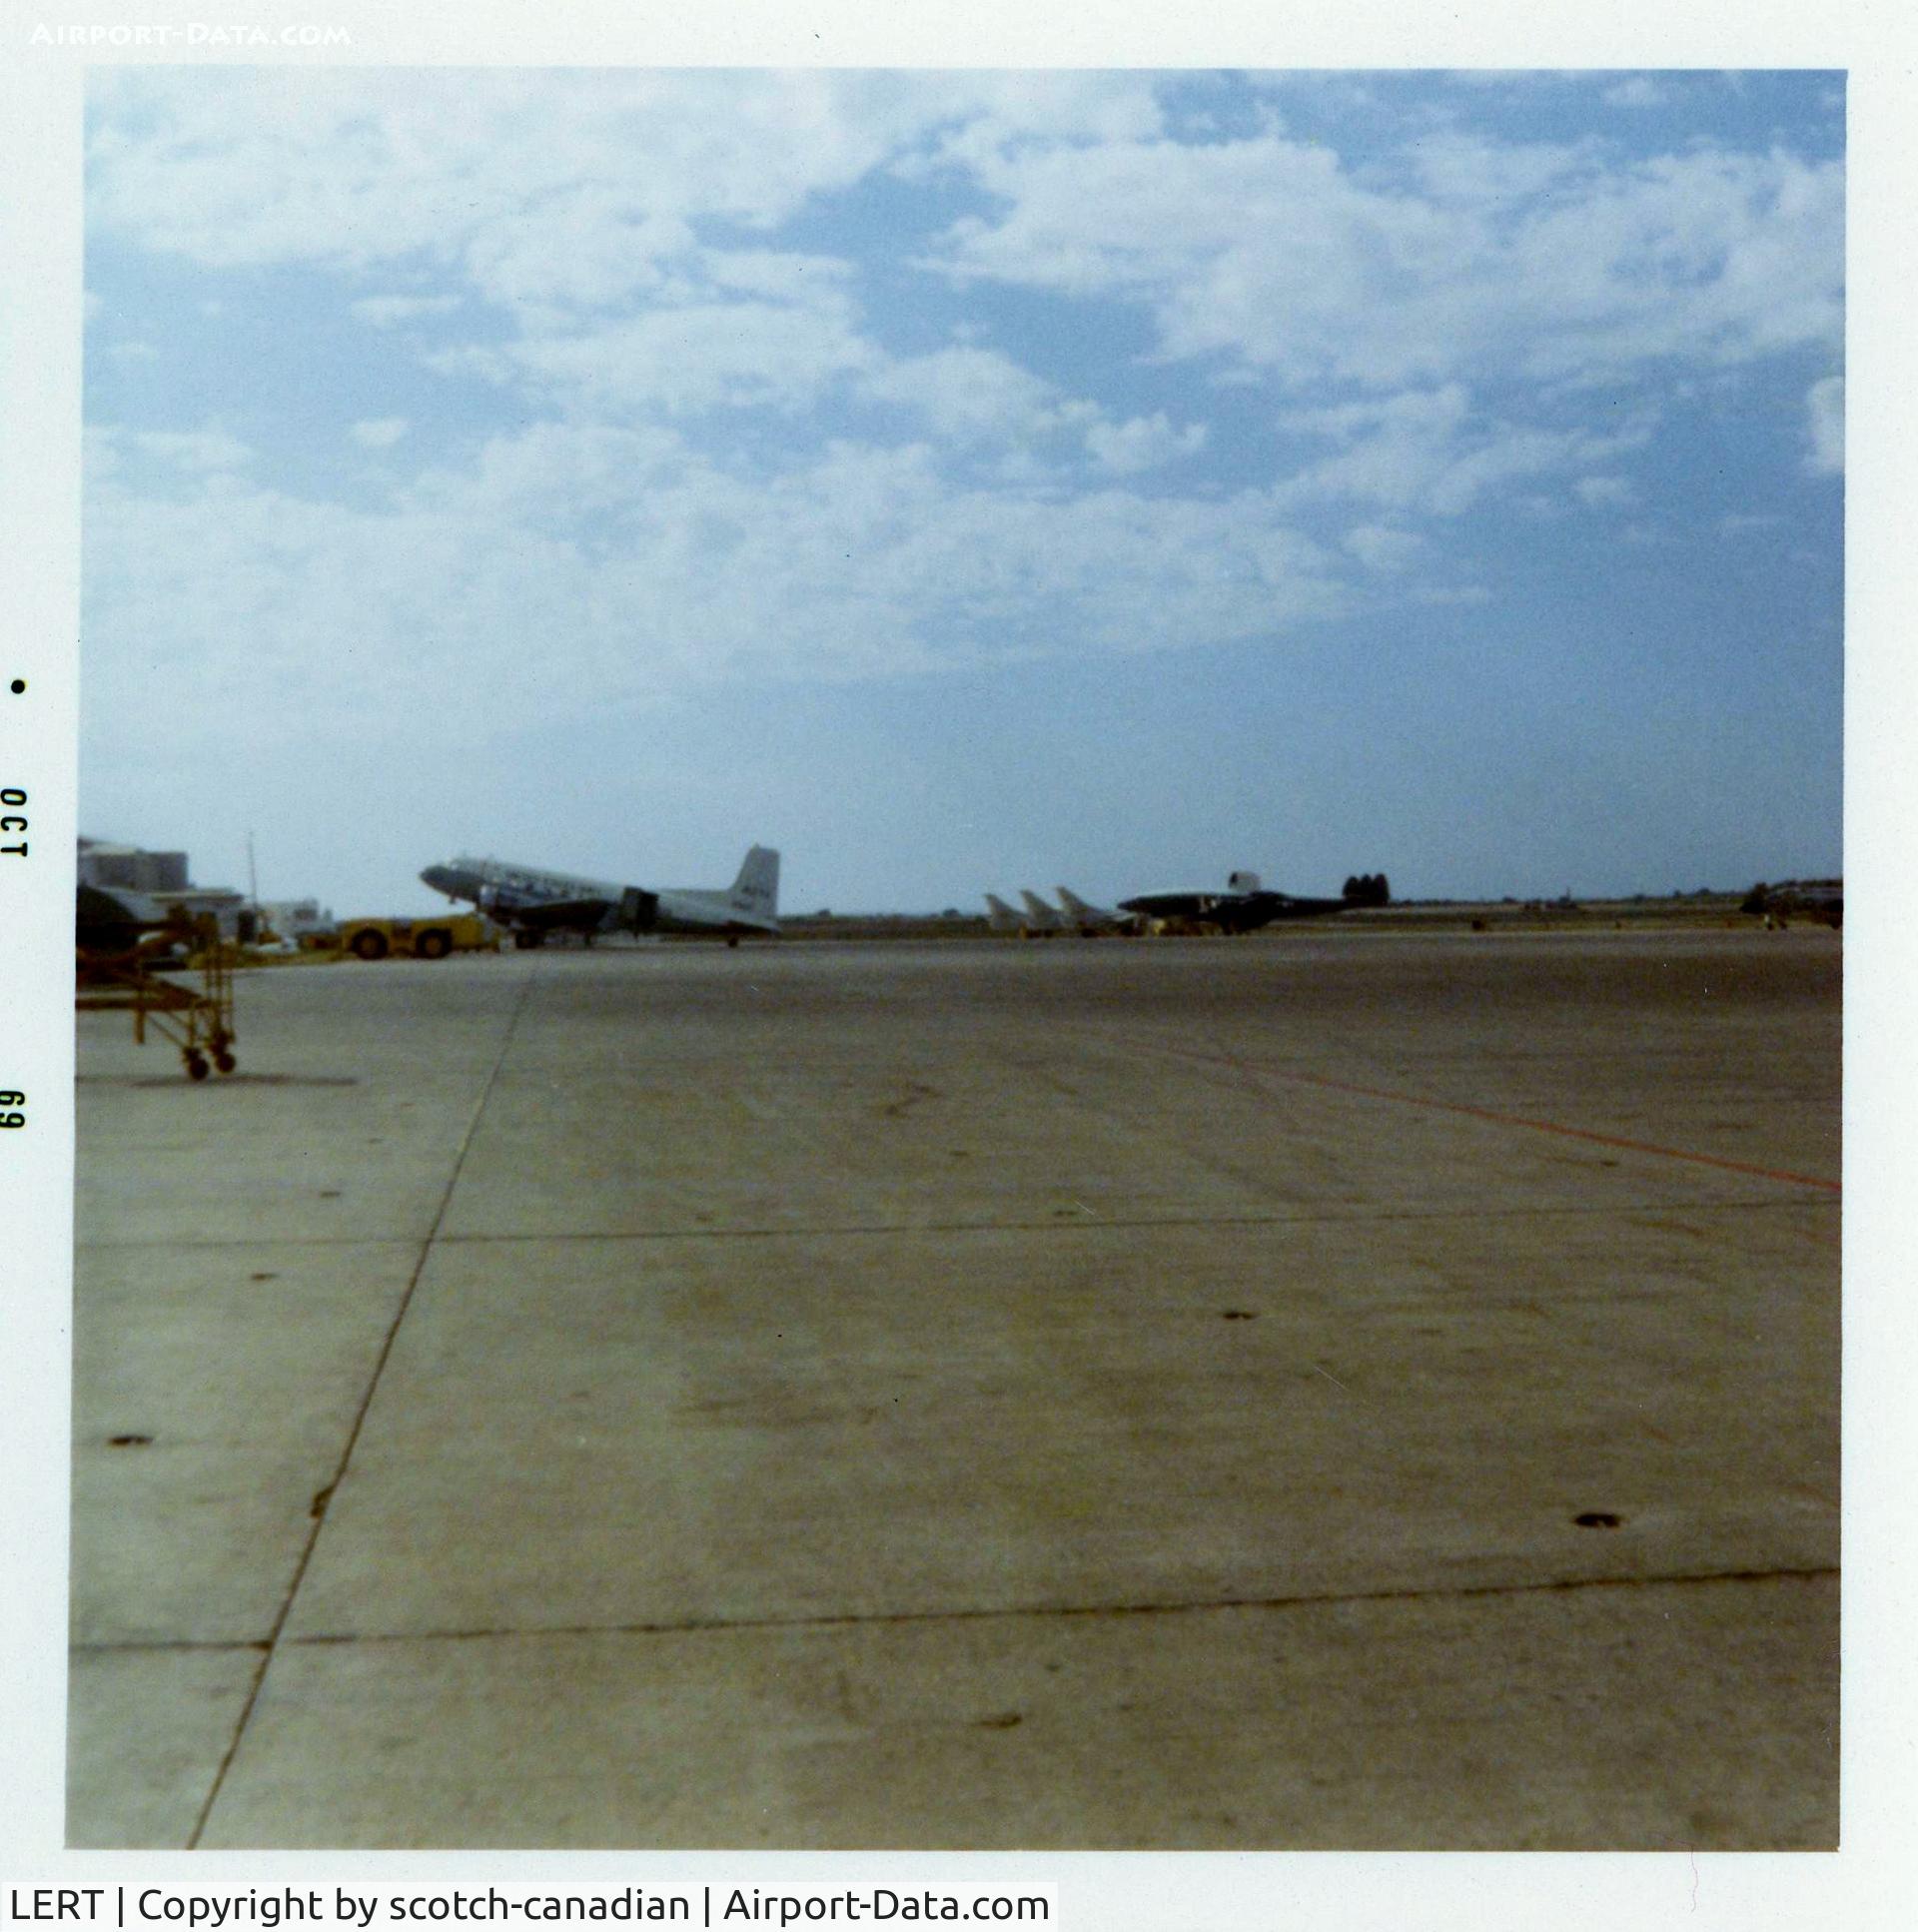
(1170, 905)
(1291, 908)
(553, 915)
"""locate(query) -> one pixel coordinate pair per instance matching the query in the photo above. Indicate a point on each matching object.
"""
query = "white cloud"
(379, 432)
(646, 569)
(389, 311)
(546, 188)
(1380, 548)
(1427, 451)
(1596, 491)
(1535, 261)
(1463, 170)
(702, 355)
(1142, 442)
(1825, 412)
(607, 249)
(197, 452)
(1641, 90)
(611, 217)
(969, 392)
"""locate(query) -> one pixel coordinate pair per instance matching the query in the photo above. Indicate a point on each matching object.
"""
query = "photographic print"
(960, 960)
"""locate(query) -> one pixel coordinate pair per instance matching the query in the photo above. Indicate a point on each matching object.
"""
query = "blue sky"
(966, 481)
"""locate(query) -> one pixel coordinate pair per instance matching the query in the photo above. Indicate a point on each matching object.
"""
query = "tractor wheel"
(432, 945)
(370, 945)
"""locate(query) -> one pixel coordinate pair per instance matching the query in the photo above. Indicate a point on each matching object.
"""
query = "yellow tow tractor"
(433, 937)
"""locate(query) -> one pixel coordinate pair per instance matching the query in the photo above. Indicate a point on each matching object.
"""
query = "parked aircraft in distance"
(1000, 917)
(1090, 920)
(1041, 917)
(534, 903)
(1244, 906)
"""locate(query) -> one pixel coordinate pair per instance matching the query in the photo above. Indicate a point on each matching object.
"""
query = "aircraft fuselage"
(534, 901)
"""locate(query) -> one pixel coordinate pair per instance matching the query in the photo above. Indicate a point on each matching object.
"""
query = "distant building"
(149, 886)
(296, 918)
(130, 869)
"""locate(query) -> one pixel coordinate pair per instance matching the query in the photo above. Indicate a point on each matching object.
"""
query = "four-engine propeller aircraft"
(1244, 906)
(534, 903)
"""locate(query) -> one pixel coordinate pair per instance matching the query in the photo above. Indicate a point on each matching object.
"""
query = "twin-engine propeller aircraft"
(534, 903)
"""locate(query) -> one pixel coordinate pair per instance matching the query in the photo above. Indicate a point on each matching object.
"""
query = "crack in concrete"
(319, 1511)
(833, 1230)
(688, 1626)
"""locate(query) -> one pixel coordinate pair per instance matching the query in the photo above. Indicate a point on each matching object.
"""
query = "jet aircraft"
(1000, 917)
(1041, 917)
(534, 903)
(1088, 920)
(1244, 906)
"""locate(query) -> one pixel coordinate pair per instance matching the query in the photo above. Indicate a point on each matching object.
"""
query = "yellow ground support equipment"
(194, 1009)
(431, 938)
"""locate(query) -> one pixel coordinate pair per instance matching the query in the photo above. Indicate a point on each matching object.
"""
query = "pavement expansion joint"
(318, 1512)
(169, 1646)
(1063, 1224)
(1082, 1224)
(690, 1627)
(1255, 1073)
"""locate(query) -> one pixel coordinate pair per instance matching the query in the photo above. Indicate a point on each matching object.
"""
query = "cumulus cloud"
(1596, 491)
(970, 393)
(1553, 264)
(646, 567)
(706, 301)
(546, 187)
(1380, 548)
(609, 218)
(1430, 451)
(1640, 91)
(702, 355)
(1142, 442)
(196, 452)
(1825, 427)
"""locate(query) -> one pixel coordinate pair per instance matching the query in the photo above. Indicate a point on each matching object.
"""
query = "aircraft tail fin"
(1071, 902)
(756, 889)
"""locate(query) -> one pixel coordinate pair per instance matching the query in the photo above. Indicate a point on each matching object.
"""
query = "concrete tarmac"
(1338, 1389)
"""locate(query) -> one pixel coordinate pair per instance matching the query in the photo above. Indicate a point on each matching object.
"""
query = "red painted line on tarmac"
(1512, 1120)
